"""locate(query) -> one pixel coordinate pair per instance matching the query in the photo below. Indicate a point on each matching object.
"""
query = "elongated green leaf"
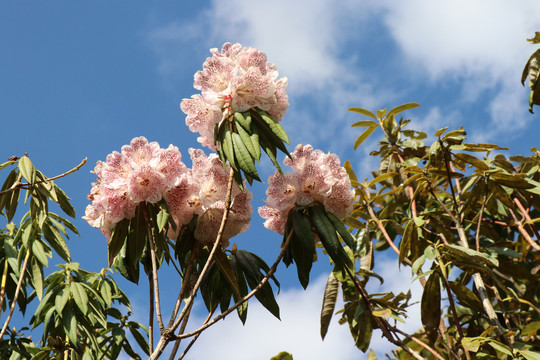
(328, 237)
(27, 169)
(274, 125)
(364, 333)
(364, 136)
(470, 344)
(470, 254)
(140, 338)
(530, 355)
(474, 161)
(401, 108)
(56, 241)
(465, 296)
(431, 304)
(69, 322)
(302, 245)
(37, 277)
(363, 112)
(246, 140)
(365, 123)
(331, 291)
(227, 271)
(254, 137)
(271, 152)
(410, 235)
(79, 295)
(228, 147)
(12, 203)
(244, 120)
(245, 161)
(117, 239)
(39, 252)
(63, 201)
(8, 183)
(61, 299)
(382, 178)
(342, 231)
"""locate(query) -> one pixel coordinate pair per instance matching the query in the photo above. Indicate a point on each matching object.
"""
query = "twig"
(480, 216)
(14, 301)
(419, 342)
(18, 184)
(3, 288)
(527, 217)
(151, 315)
(154, 268)
(455, 315)
(524, 232)
(182, 329)
(183, 288)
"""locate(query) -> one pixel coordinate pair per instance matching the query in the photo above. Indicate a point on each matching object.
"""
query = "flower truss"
(316, 178)
(144, 172)
(201, 192)
(233, 80)
(141, 172)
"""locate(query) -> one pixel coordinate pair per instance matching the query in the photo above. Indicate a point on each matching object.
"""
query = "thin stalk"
(14, 302)
(183, 288)
(421, 343)
(480, 216)
(151, 315)
(182, 329)
(168, 334)
(154, 278)
(18, 184)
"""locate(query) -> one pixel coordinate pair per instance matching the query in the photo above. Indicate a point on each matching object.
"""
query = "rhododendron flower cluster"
(235, 79)
(202, 191)
(141, 172)
(316, 177)
(144, 172)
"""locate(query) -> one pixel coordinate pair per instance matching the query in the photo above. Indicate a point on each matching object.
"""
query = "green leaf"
(500, 347)
(244, 121)
(372, 355)
(365, 123)
(530, 355)
(245, 161)
(246, 140)
(474, 161)
(470, 254)
(431, 305)
(342, 231)
(327, 235)
(465, 296)
(117, 239)
(141, 340)
(363, 112)
(302, 244)
(80, 297)
(382, 178)
(364, 136)
(61, 299)
(227, 271)
(228, 149)
(27, 169)
(254, 137)
(37, 277)
(64, 203)
(271, 152)
(410, 235)
(401, 108)
(440, 132)
(39, 252)
(274, 125)
(364, 333)
(69, 322)
(162, 219)
(331, 291)
(470, 344)
(56, 241)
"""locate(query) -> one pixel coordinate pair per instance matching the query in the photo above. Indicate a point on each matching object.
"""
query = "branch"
(18, 185)
(154, 268)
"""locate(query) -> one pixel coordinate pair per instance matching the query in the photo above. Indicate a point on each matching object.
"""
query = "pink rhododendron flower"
(142, 172)
(201, 191)
(235, 79)
(316, 177)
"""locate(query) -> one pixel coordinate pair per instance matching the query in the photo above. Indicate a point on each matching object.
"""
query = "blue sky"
(81, 79)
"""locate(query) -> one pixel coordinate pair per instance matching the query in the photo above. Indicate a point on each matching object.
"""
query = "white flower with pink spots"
(201, 191)
(235, 79)
(141, 172)
(316, 177)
